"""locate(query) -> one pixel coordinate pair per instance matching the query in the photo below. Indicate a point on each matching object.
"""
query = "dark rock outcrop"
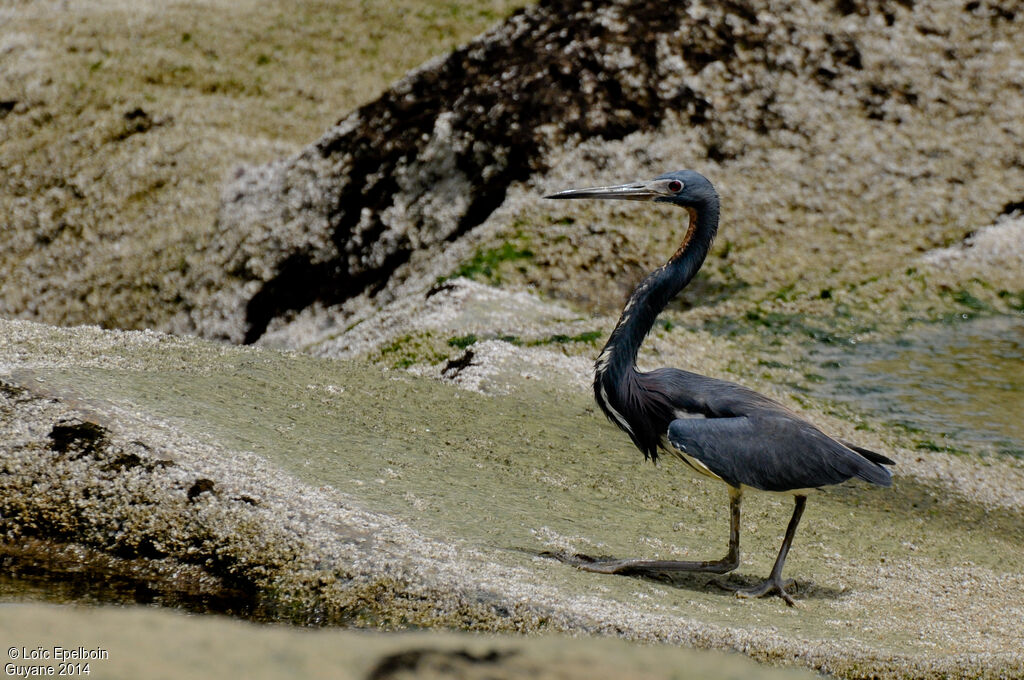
(433, 156)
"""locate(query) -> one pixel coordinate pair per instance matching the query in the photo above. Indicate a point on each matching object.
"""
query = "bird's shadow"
(699, 581)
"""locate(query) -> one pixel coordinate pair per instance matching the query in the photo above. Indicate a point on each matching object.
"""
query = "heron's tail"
(871, 470)
(873, 456)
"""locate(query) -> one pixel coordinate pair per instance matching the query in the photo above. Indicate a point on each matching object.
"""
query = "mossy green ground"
(917, 573)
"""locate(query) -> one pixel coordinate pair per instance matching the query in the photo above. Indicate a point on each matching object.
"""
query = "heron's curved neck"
(650, 297)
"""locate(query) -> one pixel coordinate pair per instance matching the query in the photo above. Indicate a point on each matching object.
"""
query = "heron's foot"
(767, 587)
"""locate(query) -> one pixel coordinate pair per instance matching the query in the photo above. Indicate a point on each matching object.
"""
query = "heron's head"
(685, 188)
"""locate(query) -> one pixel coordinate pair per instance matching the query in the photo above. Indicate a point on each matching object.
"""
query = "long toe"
(588, 563)
(769, 587)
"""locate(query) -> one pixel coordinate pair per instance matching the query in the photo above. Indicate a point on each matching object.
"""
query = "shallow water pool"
(962, 380)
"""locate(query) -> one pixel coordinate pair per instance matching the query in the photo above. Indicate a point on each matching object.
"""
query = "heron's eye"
(675, 186)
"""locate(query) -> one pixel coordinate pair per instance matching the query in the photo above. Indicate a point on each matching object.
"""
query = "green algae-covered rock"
(324, 491)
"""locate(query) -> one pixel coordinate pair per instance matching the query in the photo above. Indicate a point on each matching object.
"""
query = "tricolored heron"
(718, 428)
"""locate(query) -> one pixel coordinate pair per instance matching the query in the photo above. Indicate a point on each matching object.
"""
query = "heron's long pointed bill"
(636, 191)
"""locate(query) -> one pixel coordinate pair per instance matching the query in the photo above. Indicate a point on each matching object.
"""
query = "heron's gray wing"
(773, 452)
(711, 397)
